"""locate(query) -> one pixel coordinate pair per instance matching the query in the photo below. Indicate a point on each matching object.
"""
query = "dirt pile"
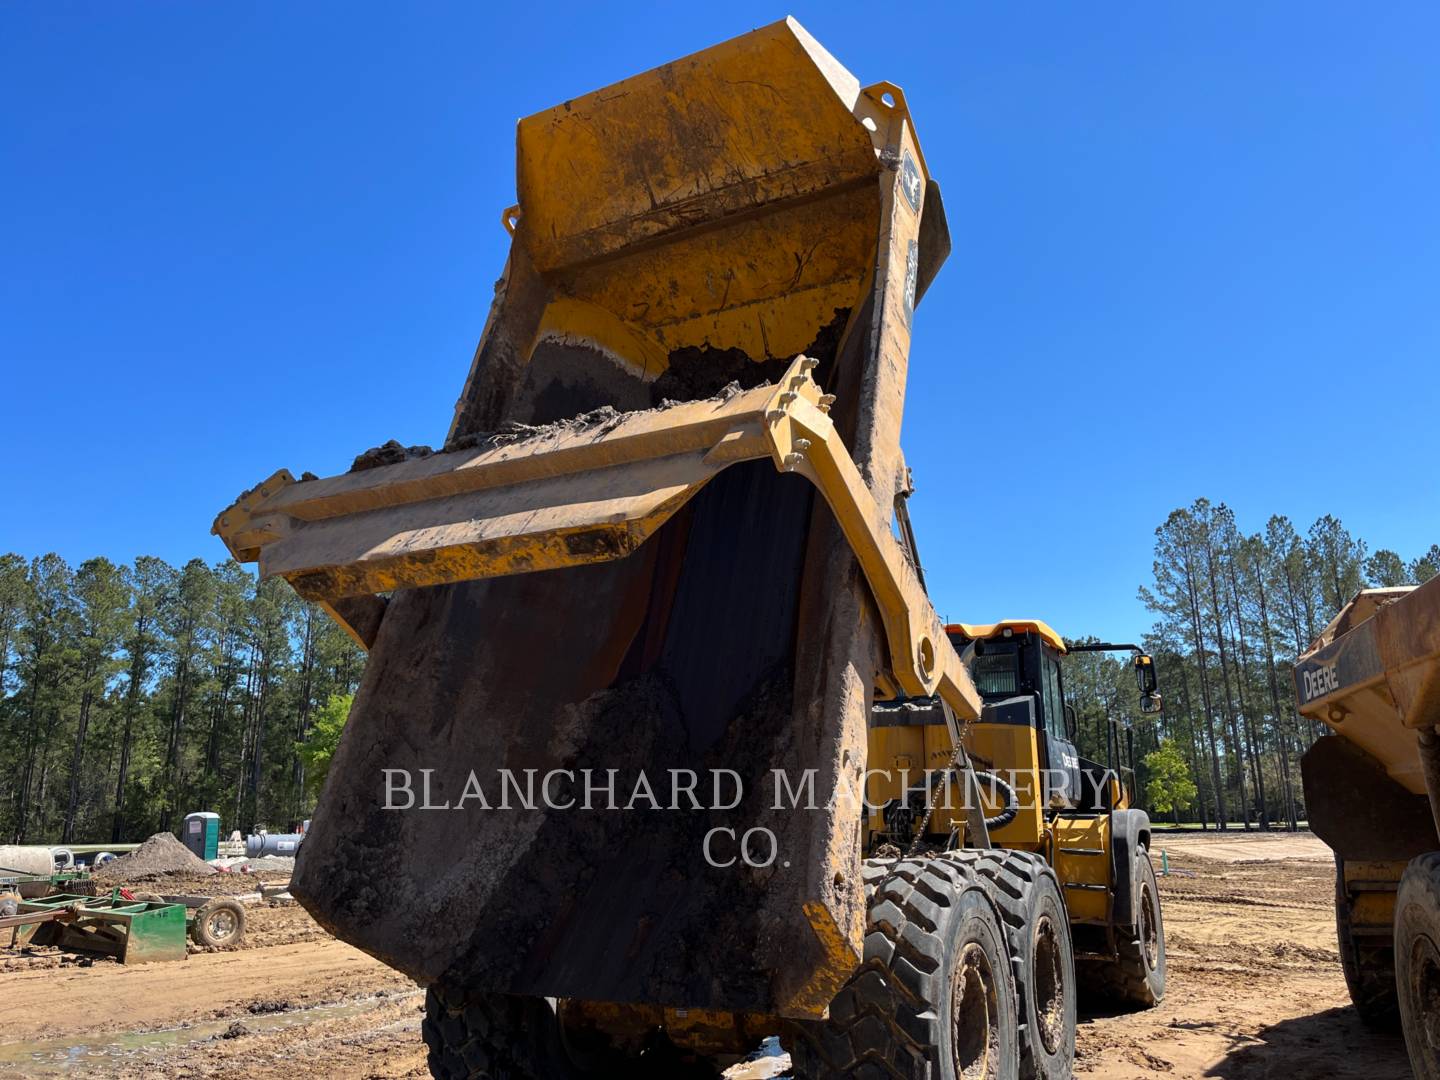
(390, 453)
(160, 856)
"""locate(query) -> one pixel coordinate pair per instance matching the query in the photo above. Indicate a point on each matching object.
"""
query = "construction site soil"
(1255, 992)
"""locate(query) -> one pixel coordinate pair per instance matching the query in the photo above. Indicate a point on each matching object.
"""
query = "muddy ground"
(1255, 993)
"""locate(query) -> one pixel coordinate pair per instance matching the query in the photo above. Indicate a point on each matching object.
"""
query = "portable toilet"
(202, 834)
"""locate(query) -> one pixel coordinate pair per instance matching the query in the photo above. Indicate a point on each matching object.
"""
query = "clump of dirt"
(160, 856)
(697, 372)
(391, 453)
(701, 372)
(694, 373)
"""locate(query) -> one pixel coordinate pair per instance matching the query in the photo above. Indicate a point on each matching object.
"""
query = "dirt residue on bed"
(388, 453)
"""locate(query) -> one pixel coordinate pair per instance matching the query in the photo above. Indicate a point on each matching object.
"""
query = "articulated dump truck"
(603, 789)
(1372, 792)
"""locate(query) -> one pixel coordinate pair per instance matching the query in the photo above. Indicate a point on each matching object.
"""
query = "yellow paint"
(1372, 885)
(840, 959)
(1013, 752)
(1092, 834)
(986, 631)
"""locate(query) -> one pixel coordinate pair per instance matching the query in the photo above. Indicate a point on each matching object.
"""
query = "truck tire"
(935, 996)
(474, 1035)
(1037, 927)
(1137, 974)
(220, 923)
(1417, 963)
(1369, 968)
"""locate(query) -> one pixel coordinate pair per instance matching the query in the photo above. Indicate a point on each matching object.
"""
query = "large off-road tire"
(1417, 963)
(935, 996)
(1037, 927)
(474, 1035)
(1369, 967)
(481, 1036)
(1137, 975)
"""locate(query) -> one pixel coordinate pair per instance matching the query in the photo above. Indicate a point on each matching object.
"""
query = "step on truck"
(602, 789)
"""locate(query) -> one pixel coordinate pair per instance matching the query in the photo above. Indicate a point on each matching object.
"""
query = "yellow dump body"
(617, 573)
(1373, 676)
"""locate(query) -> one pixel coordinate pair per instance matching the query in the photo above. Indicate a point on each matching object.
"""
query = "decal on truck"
(1350, 661)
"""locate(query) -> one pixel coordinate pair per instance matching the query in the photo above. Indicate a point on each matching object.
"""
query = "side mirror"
(1146, 681)
(1145, 674)
(1072, 725)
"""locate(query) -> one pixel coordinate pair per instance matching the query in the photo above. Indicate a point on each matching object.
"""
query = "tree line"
(131, 695)
(1232, 612)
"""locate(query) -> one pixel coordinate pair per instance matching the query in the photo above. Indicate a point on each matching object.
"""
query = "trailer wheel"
(935, 997)
(1037, 926)
(1369, 968)
(1137, 975)
(1417, 963)
(220, 923)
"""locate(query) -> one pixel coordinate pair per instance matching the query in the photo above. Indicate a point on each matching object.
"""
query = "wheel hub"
(1149, 931)
(1425, 991)
(221, 924)
(1048, 990)
(976, 1017)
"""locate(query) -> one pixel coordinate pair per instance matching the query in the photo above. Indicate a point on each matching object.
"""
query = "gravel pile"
(160, 856)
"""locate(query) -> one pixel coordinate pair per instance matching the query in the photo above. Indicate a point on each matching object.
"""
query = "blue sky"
(1197, 252)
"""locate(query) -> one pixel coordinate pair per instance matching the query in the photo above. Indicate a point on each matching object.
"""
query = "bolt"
(808, 363)
(787, 397)
(802, 444)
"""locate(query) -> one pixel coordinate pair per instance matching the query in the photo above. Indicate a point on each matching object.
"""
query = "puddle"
(67, 1057)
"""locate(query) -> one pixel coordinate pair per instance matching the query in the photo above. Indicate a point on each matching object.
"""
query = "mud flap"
(1129, 835)
(1360, 813)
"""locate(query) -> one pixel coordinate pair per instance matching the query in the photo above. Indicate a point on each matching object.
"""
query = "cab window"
(1054, 703)
(996, 674)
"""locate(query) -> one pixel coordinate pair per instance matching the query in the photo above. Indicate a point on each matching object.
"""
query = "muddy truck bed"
(715, 266)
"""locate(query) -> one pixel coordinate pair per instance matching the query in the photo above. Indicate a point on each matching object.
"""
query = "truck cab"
(1016, 666)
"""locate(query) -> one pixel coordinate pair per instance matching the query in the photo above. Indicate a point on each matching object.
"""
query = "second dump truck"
(1372, 791)
(603, 787)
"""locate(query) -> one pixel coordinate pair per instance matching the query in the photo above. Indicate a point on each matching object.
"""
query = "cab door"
(1062, 760)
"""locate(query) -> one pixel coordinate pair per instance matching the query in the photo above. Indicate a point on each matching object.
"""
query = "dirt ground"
(1255, 992)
